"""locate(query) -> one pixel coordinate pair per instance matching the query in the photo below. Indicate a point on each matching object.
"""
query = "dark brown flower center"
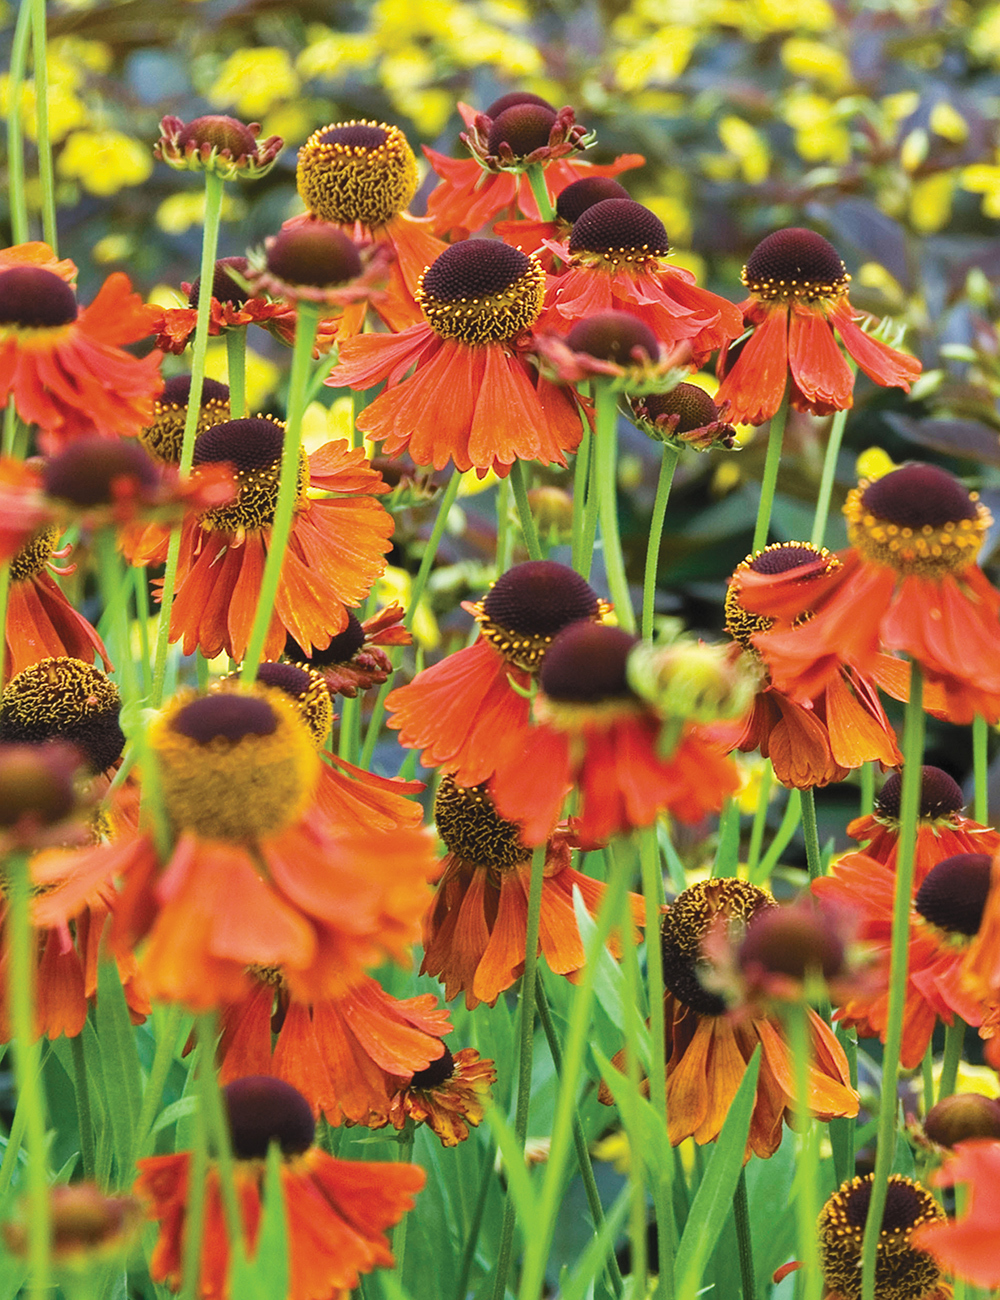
(32, 298)
(263, 1110)
(91, 471)
(438, 1072)
(795, 263)
(686, 925)
(580, 195)
(357, 171)
(343, 647)
(962, 1116)
(940, 795)
(64, 699)
(619, 230)
(691, 404)
(224, 716)
(515, 97)
(918, 496)
(314, 253)
(522, 127)
(472, 828)
(780, 557)
(791, 941)
(586, 664)
(482, 291)
(164, 437)
(355, 135)
(953, 894)
(254, 447)
(225, 287)
(307, 689)
(37, 781)
(616, 336)
(220, 132)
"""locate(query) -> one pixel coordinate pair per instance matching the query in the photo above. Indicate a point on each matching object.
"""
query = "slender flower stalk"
(772, 462)
(46, 174)
(581, 469)
(829, 472)
(528, 529)
(15, 127)
(668, 465)
(606, 459)
(540, 191)
(236, 370)
(806, 1201)
(954, 1040)
(980, 768)
(913, 746)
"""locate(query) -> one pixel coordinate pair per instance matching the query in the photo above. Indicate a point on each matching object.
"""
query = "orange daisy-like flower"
(448, 1096)
(37, 254)
(708, 1050)
(476, 930)
(346, 1054)
(472, 397)
(909, 584)
(257, 876)
(464, 712)
(233, 306)
(336, 1211)
(969, 1246)
(595, 734)
(65, 367)
(615, 259)
(947, 909)
(821, 740)
(334, 555)
(354, 660)
(903, 1268)
(798, 297)
(362, 176)
(475, 190)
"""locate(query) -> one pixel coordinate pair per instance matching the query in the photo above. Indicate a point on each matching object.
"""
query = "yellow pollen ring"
(641, 258)
(772, 290)
(494, 318)
(253, 510)
(163, 438)
(928, 551)
(348, 183)
(34, 555)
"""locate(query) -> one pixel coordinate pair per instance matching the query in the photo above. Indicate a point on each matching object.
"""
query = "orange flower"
(595, 734)
(65, 367)
(819, 741)
(708, 1050)
(233, 306)
(464, 712)
(448, 1096)
(969, 1247)
(257, 877)
(345, 1054)
(570, 203)
(615, 259)
(354, 660)
(476, 930)
(981, 972)
(472, 192)
(798, 296)
(947, 909)
(909, 583)
(472, 397)
(336, 1210)
(335, 551)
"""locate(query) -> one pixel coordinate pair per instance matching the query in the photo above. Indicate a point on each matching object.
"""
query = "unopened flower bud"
(84, 1222)
(963, 1115)
(552, 510)
(38, 783)
(693, 680)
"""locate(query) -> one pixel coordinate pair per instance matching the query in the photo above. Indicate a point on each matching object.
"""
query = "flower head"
(86, 1224)
(233, 305)
(355, 660)
(685, 416)
(219, 144)
(68, 700)
(314, 261)
(448, 1096)
(164, 436)
(521, 133)
(353, 171)
(962, 1116)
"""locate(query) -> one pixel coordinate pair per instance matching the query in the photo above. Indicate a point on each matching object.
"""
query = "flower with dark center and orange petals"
(686, 416)
(572, 202)
(219, 144)
(346, 1054)
(354, 660)
(233, 305)
(64, 366)
(596, 734)
(820, 740)
(64, 699)
(472, 397)
(798, 297)
(449, 1096)
(334, 555)
(968, 1247)
(475, 931)
(164, 436)
(981, 967)
(464, 713)
(315, 261)
(947, 910)
(87, 1225)
(616, 345)
(361, 176)
(256, 877)
(475, 190)
(708, 1050)
(909, 583)
(616, 261)
(336, 1211)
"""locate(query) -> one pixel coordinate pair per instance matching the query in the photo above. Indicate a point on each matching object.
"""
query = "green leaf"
(518, 1178)
(172, 1113)
(714, 1198)
(580, 1282)
(609, 979)
(727, 854)
(119, 1062)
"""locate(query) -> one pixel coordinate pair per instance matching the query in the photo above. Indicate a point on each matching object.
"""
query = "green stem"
(980, 768)
(214, 188)
(236, 371)
(913, 746)
(163, 1059)
(194, 1217)
(15, 131)
(590, 514)
(416, 595)
(528, 530)
(505, 538)
(13, 1148)
(141, 591)
(27, 1071)
(744, 1239)
(759, 818)
(580, 470)
(829, 473)
(782, 838)
(668, 464)
(810, 833)
(536, 179)
(399, 1232)
(45, 172)
(475, 1227)
(842, 1131)
(807, 1180)
(775, 436)
(217, 1122)
(954, 1041)
(324, 368)
(526, 1041)
(606, 455)
(83, 1112)
(579, 1139)
(4, 597)
(867, 789)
